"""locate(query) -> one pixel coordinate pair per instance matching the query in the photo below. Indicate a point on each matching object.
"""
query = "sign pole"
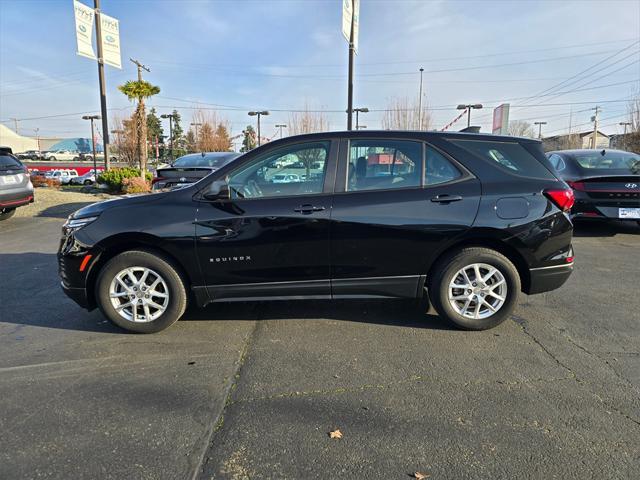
(103, 95)
(350, 86)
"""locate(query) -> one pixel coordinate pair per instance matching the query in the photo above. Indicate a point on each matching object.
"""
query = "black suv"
(471, 220)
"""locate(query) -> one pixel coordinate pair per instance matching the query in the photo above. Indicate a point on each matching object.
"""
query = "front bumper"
(78, 295)
(545, 279)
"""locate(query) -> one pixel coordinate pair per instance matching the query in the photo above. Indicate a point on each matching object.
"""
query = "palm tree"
(140, 90)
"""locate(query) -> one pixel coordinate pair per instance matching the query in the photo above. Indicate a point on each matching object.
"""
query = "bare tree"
(126, 139)
(307, 121)
(632, 139)
(520, 128)
(403, 113)
(213, 132)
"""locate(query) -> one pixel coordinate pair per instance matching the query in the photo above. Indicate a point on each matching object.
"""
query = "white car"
(62, 176)
(285, 178)
(64, 155)
(88, 178)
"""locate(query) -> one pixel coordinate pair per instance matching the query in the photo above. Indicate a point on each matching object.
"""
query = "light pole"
(281, 126)
(358, 111)
(624, 136)
(258, 114)
(170, 116)
(539, 128)
(38, 136)
(91, 118)
(420, 102)
(468, 108)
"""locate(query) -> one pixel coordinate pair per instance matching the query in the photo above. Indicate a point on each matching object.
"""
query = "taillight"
(577, 186)
(155, 180)
(563, 199)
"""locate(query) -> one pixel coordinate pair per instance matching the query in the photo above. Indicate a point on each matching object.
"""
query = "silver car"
(16, 188)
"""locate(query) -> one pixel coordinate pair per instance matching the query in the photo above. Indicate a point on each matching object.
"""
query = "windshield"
(200, 161)
(609, 160)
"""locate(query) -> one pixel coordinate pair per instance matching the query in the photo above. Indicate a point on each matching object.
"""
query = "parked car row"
(61, 155)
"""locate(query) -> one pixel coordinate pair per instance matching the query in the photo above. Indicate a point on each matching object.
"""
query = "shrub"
(114, 178)
(135, 185)
(40, 181)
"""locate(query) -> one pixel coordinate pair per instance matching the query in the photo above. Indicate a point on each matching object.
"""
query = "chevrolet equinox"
(467, 221)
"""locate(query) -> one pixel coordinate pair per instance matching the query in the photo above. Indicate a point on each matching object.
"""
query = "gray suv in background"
(15, 185)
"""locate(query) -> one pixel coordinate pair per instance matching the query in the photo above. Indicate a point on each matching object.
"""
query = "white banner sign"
(347, 15)
(110, 41)
(84, 29)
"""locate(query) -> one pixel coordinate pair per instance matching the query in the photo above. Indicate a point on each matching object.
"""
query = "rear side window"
(7, 161)
(439, 169)
(509, 156)
(384, 165)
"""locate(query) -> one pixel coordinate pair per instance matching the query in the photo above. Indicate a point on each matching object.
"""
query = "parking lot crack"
(218, 422)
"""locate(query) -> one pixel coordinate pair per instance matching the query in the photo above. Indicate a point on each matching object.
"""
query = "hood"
(129, 200)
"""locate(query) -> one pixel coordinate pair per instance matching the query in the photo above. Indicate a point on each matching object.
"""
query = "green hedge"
(114, 177)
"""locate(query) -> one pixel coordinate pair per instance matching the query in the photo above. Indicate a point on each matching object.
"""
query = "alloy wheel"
(477, 291)
(139, 294)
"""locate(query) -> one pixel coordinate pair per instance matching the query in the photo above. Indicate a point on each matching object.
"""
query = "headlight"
(73, 224)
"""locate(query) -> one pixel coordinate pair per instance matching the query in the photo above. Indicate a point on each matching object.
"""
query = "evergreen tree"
(154, 127)
(249, 140)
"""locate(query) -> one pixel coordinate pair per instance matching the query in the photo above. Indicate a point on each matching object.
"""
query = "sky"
(552, 61)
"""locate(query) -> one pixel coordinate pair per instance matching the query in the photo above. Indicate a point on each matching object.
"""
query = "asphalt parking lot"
(251, 390)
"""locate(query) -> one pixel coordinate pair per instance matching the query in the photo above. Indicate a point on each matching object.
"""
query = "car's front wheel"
(141, 291)
(475, 288)
(6, 213)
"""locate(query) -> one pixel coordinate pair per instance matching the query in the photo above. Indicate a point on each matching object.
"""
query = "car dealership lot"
(251, 390)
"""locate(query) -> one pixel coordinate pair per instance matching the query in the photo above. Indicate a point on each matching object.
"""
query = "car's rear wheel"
(475, 288)
(53, 159)
(141, 291)
(88, 182)
(6, 213)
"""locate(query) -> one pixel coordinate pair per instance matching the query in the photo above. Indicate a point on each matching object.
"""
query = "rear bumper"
(16, 199)
(545, 279)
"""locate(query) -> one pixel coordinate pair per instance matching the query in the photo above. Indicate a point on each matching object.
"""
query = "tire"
(448, 270)
(6, 213)
(52, 159)
(88, 182)
(172, 285)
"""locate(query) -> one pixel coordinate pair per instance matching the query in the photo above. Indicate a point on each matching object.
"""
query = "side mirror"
(218, 190)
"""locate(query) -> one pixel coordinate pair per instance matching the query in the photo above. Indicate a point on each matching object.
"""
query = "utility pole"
(196, 125)
(15, 125)
(38, 136)
(594, 119)
(539, 128)
(146, 147)
(352, 50)
(420, 102)
(103, 94)
(140, 68)
(281, 126)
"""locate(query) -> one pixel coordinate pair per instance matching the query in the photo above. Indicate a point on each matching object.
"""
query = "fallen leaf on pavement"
(335, 434)
(420, 476)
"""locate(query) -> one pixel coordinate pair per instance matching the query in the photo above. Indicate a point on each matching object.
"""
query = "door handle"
(306, 209)
(445, 198)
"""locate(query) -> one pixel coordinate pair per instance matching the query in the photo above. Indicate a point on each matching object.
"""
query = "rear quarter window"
(510, 157)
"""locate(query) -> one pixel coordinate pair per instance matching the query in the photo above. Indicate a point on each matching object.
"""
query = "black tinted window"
(439, 169)
(609, 160)
(509, 156)
(200, 161)
(383, 164)
(7, 161)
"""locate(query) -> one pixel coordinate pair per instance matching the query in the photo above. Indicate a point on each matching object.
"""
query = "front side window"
(383, 165)
(294, 170)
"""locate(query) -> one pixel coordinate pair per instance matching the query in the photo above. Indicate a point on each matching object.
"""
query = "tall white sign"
(351, 10)
(110, 41)
(84, 29)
